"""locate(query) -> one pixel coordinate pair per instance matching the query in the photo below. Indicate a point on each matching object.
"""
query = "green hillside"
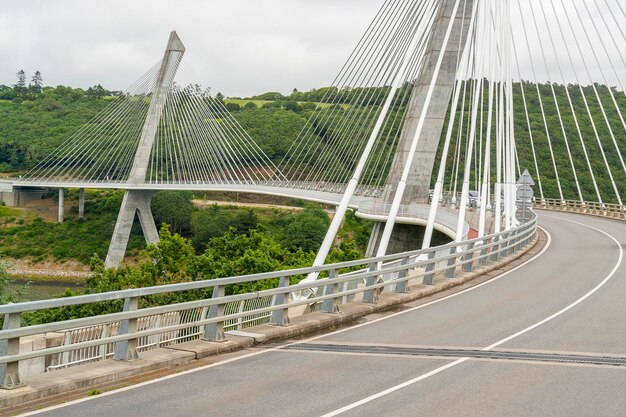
(34, 123)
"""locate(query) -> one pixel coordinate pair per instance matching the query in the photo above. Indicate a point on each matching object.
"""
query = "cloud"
(240, 47)
(244, 47)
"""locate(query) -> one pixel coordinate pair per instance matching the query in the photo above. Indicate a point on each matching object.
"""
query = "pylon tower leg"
(138, 201)
(134, 202)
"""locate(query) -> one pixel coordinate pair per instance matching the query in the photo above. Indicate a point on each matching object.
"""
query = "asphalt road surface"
(525, 344)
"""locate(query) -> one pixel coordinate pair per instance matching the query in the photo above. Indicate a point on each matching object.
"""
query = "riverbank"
(45, 275)
(48, 271)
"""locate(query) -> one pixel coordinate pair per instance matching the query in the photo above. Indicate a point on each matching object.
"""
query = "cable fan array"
(568, 122)
(368, 99)
(103, 149)
(197, 141)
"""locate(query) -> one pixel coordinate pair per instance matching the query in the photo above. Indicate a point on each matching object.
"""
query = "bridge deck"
(330, 194)
(522, 312)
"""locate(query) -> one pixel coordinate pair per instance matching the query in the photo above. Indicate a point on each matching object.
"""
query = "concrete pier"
(61, 205)
(81, 203)
(133, 202)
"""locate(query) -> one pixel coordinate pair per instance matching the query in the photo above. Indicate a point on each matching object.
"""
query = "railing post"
(484, 254)
(512, 244)
(241, 309)
(429, 277)
(519, 244)
(214, 332)
(281, 317)
(9, 372)
(203, 315)
(331, 305)
(370, 295)
(451, 271)
(102, 349)
(469, 256)
(126, 350)
(403, 286)
(495, 249)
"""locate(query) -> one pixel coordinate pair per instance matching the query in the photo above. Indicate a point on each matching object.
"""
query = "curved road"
(570, 299)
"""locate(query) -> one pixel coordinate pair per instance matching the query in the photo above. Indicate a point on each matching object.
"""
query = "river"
(41, 290)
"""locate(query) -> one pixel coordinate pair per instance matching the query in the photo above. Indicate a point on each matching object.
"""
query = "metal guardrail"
(211, 316)
(322, 186)
(611, 211)
(445, 219)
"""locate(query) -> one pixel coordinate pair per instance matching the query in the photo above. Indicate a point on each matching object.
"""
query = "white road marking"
(261, 352)
(498, 343)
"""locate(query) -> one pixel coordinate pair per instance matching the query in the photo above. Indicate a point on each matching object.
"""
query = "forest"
(37, 119)
(216, 241)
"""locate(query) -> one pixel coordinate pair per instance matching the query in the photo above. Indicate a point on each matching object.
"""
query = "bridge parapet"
(612, 211)
(445, 221)
(136, 328)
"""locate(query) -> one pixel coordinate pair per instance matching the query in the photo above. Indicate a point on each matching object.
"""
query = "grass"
(10, 216)
(6, 211)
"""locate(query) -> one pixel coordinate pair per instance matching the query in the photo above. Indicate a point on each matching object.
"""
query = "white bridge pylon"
(482, 136)
(162, 130)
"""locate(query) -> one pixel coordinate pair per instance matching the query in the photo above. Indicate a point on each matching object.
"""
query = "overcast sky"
(238, 47)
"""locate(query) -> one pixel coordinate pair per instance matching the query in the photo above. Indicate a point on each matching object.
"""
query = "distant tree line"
(37, 118)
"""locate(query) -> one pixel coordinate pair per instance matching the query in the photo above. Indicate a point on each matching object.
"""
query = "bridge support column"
(135, 201)
(81, 203)
(61, 216)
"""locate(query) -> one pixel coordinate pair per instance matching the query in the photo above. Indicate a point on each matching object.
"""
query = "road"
(568, 299)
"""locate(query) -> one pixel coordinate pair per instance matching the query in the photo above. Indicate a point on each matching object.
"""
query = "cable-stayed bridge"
(435, 95)
(434, 117)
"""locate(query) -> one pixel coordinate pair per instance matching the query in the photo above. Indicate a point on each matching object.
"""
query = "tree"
(220, 97)
(293, 106)
(270, 96)
(36, 83)
(272, 105)
(6, 92)
(171, 254)
(309, 106)
(231, 107)
(306, 231)
(174, 208)
(97, 91)
(20, 86)
(250, 106)
(245, 222)
(207, 224)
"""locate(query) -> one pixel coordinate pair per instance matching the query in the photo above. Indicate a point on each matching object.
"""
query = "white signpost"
(524, 193)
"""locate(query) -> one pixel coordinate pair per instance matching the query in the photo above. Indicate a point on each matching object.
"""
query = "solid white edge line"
(509, 338)
(252, 354)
